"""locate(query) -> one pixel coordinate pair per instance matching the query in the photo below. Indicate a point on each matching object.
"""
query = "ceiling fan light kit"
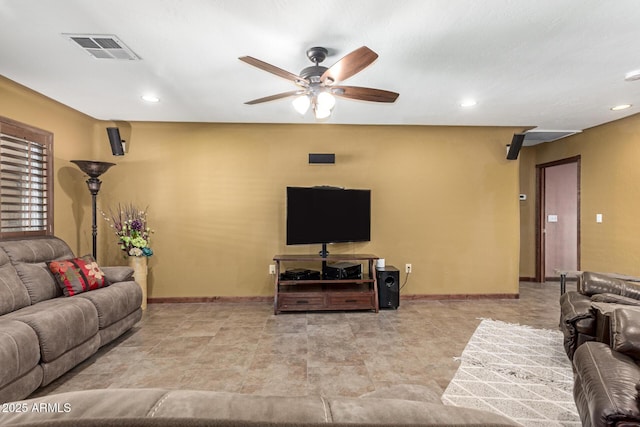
(301, 104)
(316, 83)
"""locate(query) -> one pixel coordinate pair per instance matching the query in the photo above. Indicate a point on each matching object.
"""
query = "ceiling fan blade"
(364, 93)
(351, 64)
(274, 97)
(274, 70)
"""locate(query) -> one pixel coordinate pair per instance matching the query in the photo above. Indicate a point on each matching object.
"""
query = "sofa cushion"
(22, 386)
(29, 251)
(614, 299)
(38, 280)
(115, 302)
(591, 283)
(128, 407)
(77, 275)
(60, 324)
(606, 380)
(19, 350)
(625, 331)
(36, 250)
(386, 412)
(13, 294)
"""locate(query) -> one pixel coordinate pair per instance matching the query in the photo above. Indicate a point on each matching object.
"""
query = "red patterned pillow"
(78, 275)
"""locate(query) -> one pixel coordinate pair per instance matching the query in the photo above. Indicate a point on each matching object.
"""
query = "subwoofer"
(388, 287)
(116, 142)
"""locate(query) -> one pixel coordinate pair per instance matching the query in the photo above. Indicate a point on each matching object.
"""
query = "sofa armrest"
(615, 299)
(574, 307)
(118, 274)
(605, 382)
(577, 320)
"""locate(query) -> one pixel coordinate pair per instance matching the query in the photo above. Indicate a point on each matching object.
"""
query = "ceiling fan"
(317, 84)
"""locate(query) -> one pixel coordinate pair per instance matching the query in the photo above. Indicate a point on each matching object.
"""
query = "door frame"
(540, 207)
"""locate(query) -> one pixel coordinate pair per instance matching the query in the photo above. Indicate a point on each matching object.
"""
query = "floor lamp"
(94, 170)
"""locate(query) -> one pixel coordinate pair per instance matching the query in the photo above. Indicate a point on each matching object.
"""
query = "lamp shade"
(326, 101)
(322, 113)
(301, 104)
(93, 168)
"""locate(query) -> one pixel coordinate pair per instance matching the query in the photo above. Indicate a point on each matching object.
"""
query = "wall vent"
(102, 46)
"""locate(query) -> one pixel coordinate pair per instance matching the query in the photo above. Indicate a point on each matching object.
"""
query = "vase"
(139, 265)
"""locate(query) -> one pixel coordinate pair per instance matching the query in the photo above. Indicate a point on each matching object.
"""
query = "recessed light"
(150, 98)
(468, 103)
(620, 107)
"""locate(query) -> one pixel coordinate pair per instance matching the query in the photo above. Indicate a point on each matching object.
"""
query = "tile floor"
(245, 348)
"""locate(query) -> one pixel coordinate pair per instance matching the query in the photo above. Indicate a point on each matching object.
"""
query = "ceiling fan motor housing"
(313, 73)
(317, 54)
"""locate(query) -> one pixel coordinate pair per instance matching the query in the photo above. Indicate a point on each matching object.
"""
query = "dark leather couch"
(577, 315)
(607, 375)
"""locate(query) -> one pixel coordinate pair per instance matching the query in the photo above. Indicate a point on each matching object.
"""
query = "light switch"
(552, 218)
(598, 218)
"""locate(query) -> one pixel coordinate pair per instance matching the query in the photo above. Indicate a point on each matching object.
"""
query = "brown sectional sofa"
(607, 375)
(44, 334)
(601, 326)
(577, 316)
(159, 407)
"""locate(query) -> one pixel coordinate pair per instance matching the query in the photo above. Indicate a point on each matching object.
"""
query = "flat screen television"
(327, 215)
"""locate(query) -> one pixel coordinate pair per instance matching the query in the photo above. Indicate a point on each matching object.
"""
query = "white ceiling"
(551, 64)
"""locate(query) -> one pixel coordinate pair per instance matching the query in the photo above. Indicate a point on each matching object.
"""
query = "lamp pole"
(94, 169)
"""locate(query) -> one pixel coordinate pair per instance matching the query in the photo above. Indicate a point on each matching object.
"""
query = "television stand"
(326, 294)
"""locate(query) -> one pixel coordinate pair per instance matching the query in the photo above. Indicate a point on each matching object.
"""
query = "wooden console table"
(326, 294)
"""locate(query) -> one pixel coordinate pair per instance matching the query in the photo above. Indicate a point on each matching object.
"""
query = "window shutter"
(25, 182)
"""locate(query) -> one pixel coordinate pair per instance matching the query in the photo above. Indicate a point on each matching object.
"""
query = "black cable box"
(343, 270)
(300, 274)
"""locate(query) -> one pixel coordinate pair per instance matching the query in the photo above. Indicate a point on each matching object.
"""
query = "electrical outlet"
(407, 268)
(272, 269)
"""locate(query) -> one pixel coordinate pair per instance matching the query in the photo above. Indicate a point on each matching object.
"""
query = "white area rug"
(516, 371)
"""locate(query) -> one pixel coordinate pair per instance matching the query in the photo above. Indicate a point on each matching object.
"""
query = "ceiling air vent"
(103, 46)
(537, 136)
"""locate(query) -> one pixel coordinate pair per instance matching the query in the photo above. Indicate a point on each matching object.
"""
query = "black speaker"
(388, 287)
(116, 142)
(322, 158)
(516, 145)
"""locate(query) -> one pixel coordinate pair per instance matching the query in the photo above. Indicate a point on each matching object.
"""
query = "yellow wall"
(443, 198)
(527, 161)
(610, 185)
(74, 136)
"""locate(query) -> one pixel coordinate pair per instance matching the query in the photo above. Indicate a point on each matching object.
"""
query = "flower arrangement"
(130, 225)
